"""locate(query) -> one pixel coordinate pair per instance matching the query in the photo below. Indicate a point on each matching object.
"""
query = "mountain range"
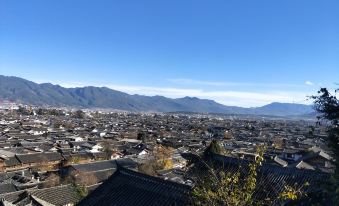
(46, 94)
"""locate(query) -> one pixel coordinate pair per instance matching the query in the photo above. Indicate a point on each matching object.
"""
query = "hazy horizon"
(131, 93)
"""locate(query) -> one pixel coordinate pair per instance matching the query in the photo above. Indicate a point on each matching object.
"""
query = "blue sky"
(237, 52)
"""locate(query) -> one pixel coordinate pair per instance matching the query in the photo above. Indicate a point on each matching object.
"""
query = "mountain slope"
(283, 109)
(21, 90)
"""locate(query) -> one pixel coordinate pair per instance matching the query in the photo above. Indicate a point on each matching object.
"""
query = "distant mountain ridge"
(28, 92)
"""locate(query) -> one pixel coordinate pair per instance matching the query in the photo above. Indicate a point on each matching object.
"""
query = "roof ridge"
(142, 176)
(93, 162)
(9, 193)
(42, 189)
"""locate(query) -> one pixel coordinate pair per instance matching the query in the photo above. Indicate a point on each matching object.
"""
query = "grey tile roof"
(103, 175)
(60, 195)
(95, 166)
(7, 187)
(12, 161)
(39, 157)
(14, 197)
(8, 175)
(82, 155)
(126, 187)
(104, 169)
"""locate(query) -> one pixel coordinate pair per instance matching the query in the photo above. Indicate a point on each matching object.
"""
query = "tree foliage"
(107, 148)
(214, 148)
(163, 157)
(293, 192)
(221, 188)
(228, 135)
(327, 105)
(142, 136)
(80, 190)
(81, 178)
(80, 181)
(147, 168)
(162, 161)
(79, 114)
(52, 180)
(24, 111)
(53, 112)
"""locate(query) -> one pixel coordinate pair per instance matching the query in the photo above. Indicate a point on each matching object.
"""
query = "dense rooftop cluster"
(45, 152)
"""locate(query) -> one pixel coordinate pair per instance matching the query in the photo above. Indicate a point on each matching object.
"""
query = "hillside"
(28, 92)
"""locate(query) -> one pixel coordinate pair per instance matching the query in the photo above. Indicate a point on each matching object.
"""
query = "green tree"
(142, 136)
(80, 190)
(40, 111)
(80, 181)
(147, 168)
(327, 105)
(213, 148)
(79, 114)
(54, 112)
(107, 149)
(311, 131)
(52, 180)
(24, 111)
(220, 188)
(162, 159)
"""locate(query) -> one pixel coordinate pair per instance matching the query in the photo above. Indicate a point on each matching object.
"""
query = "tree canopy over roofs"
(220, 184)
(162, 161)
(327, 105)
(214, 148)
(24, 111)
(79, 114)
(224, 188)
(53, 112)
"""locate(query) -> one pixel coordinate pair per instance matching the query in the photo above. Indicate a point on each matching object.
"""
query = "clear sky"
(237, 52)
